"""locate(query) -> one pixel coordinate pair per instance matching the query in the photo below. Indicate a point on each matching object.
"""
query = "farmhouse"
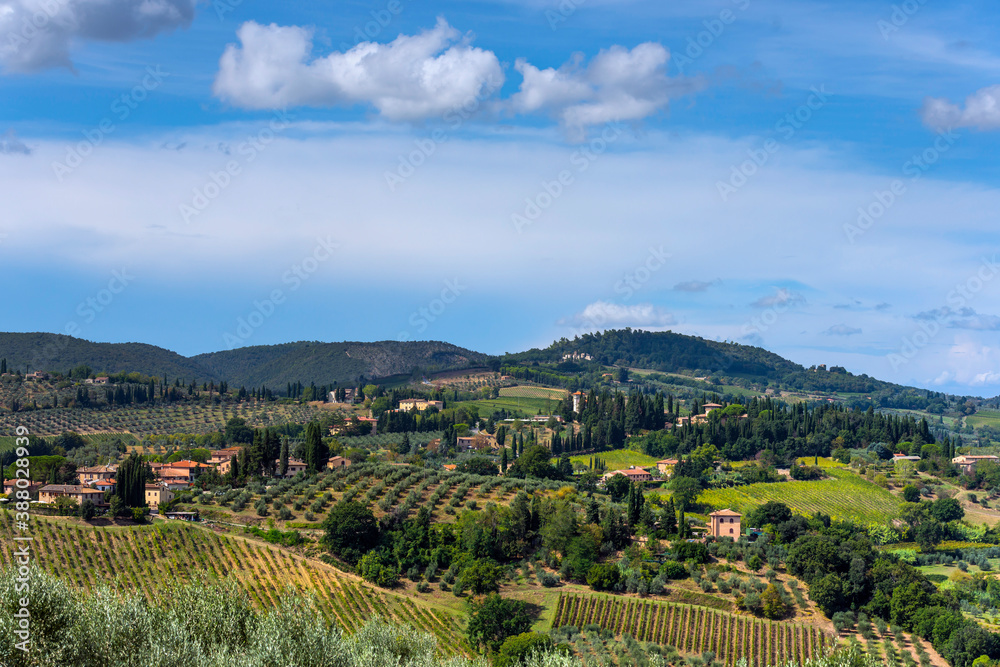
(295, 466)
(337, 462)
(725, 523)
(967, 463)
(633, 473)
(156, 495)
(408, 404)
(50, 492)
(96, 473)
(666, 466)
(10, 486)
(105, 485)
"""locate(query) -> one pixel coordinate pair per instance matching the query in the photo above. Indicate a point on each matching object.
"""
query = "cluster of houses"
(95, 481)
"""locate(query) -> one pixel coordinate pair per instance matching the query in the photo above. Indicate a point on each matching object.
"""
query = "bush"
(375, 568)
(673, 570)
(603, 576)
(284, 514)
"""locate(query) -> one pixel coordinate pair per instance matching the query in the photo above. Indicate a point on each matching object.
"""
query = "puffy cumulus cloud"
(961, 318)
(694, 286)
(604, 314)
(782, 297)
(973, 363)
(411, 78)
(38, 34)
(842, 330)
(618, 84)
(982, 111)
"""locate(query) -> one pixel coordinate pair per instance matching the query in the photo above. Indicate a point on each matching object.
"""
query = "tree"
(87, 510)
(117, 506)
(404, 445)
(603, 576)
(237, 431)
(911, 494)
(478, 465)
(315, 451)
(283, 461)
(771, 512)
(947, 509)
(534, 462)
(377, 569)
(503, 460)
(686, 490)
(482, 576)
(828, 594)
(130, 480)
(501, 436)
(772, 605)
(668, 520)
(495, 619)
(618, 486)
(516, 650)
(351, 530)
(928, 534)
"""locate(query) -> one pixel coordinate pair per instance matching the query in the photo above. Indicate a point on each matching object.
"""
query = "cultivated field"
(844, 495)
(528, 391)
(694, 630)
(158, 420)
(984, 418)
(148, 558)
(616, 459)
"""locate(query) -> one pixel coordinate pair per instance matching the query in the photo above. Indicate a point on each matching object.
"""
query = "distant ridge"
(261, 365)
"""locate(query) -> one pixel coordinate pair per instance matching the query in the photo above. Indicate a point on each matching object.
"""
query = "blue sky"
(815, 178)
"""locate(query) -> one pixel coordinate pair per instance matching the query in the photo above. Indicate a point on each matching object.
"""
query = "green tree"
(534, 462)
(617, 486)
(477, 465)
(517, 649)
(772, 606)
(911, 494)
(283, 460)
(376, 568)
(482, 576)
(495, 619)
(130, 480)
(350, 530)
(686, 490)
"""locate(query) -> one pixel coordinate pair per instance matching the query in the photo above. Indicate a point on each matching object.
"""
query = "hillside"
(323, 363)
(263, 365)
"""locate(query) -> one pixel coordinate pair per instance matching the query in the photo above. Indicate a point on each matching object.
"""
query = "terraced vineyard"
(527, 391)
(694, 630)
(147, 558)
(159, 420)
(844, 495)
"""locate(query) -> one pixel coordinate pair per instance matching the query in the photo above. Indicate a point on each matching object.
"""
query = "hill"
(262, 365)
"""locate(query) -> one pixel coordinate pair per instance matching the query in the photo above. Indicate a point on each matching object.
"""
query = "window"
(730, 531)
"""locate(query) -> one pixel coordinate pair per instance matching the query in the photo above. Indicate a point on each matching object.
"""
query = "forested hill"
(56, 352)
(264, 365)
(670, 352)
(324, 363)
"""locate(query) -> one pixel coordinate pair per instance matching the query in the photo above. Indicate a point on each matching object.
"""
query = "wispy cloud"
(601, 314)
(981, 111)
(842, 330)
(694, 286)
(10, 144)
(781, 297)
(963, 318)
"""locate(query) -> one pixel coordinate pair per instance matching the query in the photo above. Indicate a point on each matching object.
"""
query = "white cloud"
(606, 315)
(618, 85)
(781, 297)
(10, 144)
(38, 34)
(411, 78)
(842, 330)
(694, 286)
(982, 111)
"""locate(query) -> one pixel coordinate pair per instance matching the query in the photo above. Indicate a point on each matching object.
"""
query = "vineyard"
(157, 420)
(527, 391)
(148, 558)
(844, 495)
(693, 630)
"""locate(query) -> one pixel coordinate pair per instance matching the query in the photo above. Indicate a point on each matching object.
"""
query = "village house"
(666, 466)
(634, 474)
(157, 495)
(10, 486)
(175, 484)
(222, 459)
(725, 523)
(450, 467)
(711, 406)
(966, 463)
(295, 466)
(96, 473)
(408, 404)
(337, 462)
(105, 485)
(77, 492)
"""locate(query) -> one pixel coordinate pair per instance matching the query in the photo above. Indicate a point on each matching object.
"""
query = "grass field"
(616, 459)
(843, 496)
(822, 461)
(985, 418)
(148, 559)
(524, 391)
(529, 406)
